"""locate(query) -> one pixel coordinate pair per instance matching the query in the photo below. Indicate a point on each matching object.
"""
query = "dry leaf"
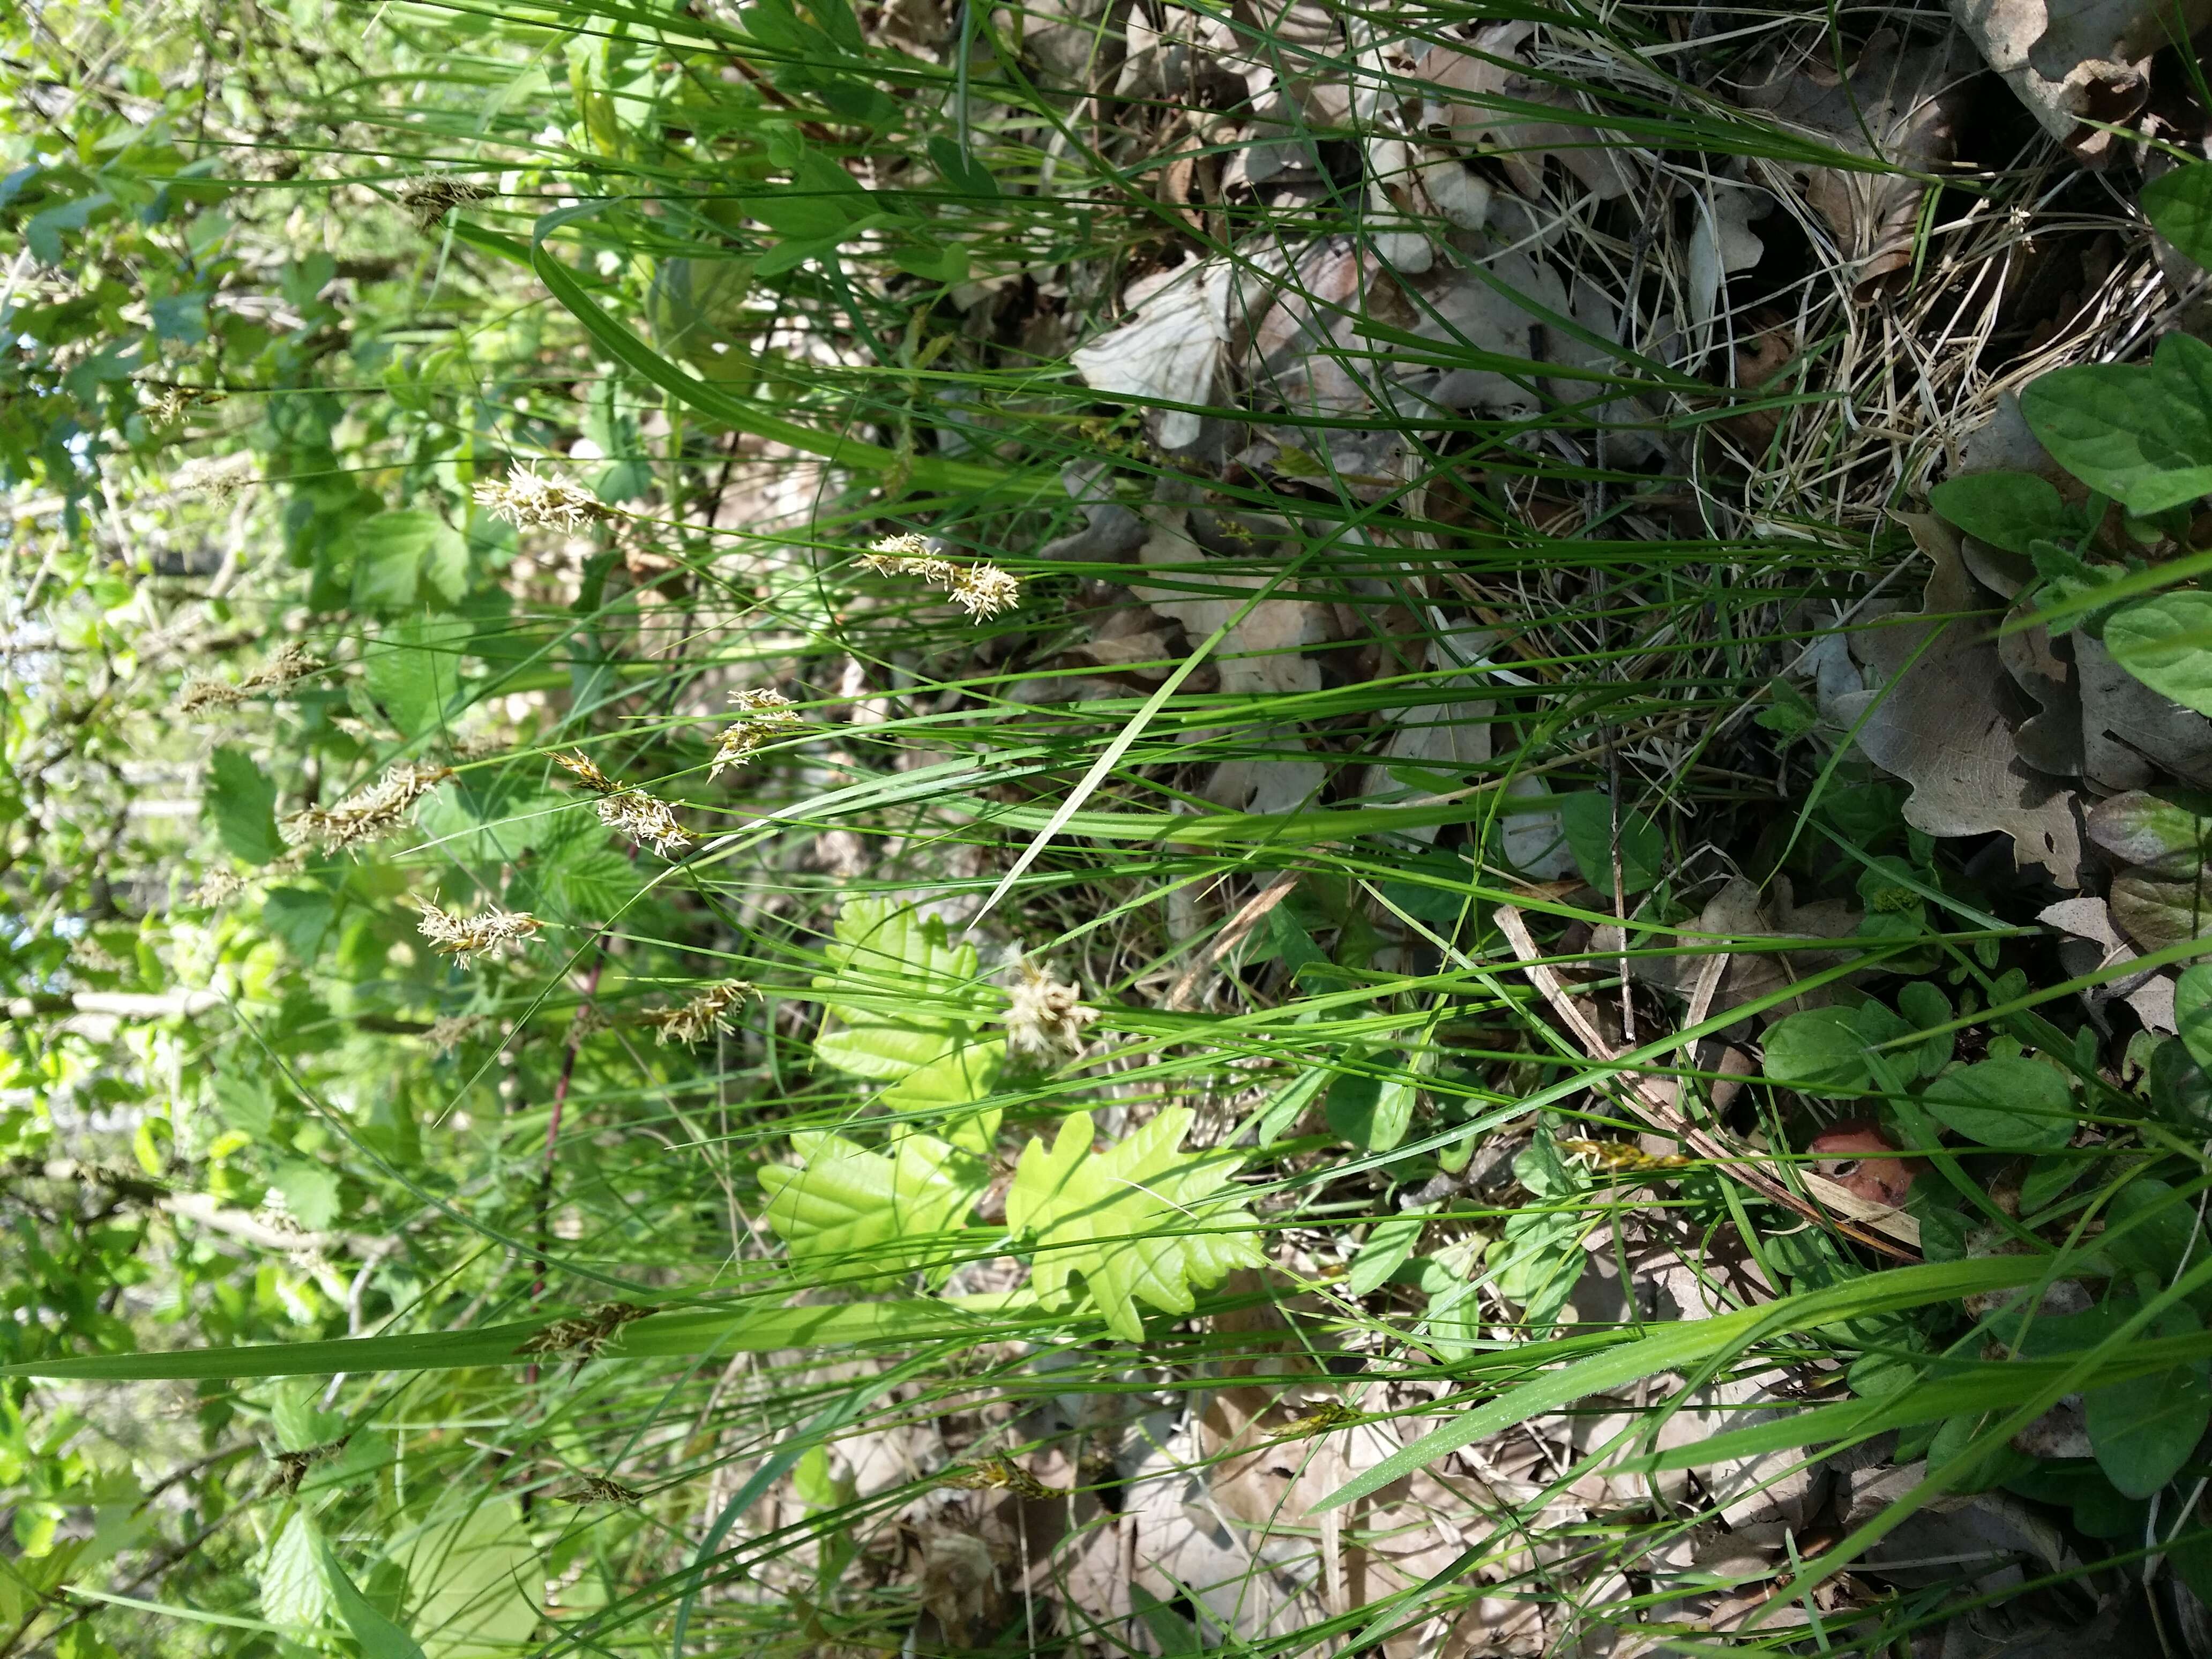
(1899, 105)
(2075, 62)
(1168, 348)
(1938, 720)
(1466, 88)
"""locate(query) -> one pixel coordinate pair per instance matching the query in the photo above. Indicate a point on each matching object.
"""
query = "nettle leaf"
(1140, 1221)
(850, 1212)
(2178, 204)
(241, 798)
(2014, 1103)
(2166, 641)
(2008, 510)
(2140, 433)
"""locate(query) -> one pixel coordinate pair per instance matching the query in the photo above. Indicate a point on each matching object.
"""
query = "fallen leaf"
(1169, 348)
(1937, 721)
(2077, 62)
(1468, 87)
(1899, 105)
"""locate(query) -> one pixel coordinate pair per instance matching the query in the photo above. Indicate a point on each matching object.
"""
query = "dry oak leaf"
(2074, 62)
(1899, 105)
(1479, 95)
(1170, 348)
(1942, 719)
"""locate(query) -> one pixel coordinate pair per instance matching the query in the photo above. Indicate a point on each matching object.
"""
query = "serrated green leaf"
(912, 1034)
(473, 1581)
(414, 672)
(293, 1593)
(2166, 641)
(379, 1636)
(2140, 433)
(242, 799)
(486, 825)
(1140, 1221)
(850, 1212)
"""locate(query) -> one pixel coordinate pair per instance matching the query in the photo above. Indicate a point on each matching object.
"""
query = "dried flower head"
(216, 888)
(170, 404)
(431, 199)
(587, 1023)
(703, 1016)
(581, 767)
(765, 713)
(449, 1031)
(1044, 1017)
(646, 820)
(982, 589)
(528, 501)
(582, 1334)
(367, 814)
(89, 954)
(491, 932)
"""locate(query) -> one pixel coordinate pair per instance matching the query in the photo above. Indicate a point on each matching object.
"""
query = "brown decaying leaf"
(1469, 85)
(2077, 62)
(1899, 105)
(1942, 719)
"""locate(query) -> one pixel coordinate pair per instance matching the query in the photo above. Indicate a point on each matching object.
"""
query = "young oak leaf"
(910, 1034)
(859, 1216)
(1138, 1220)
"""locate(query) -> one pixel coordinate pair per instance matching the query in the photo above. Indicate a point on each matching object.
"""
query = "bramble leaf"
(1139, 1220)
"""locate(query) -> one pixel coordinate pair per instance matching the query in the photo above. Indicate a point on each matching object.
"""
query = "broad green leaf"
(414, 672)
(1389, 1242)
(242, 798)
(2139, 432)
(2144, 1430)
(2150, 1229)
(2014, 1103)
(1820, 1051)
(310, 1190)
(1924, 1006)
(300, 916)
(1139, 1220)
(402, 557)
(1537, 1261)
(2192, 1007)
(300, 1423)
(1373, 1113)
(472, 1582)
(2166, 641)
(484, 825)
(2178, 204)
(848, 1212)
(293, 1593)
(379, 1636)
(1587, 820)
(2158, 907)
(2010, 510)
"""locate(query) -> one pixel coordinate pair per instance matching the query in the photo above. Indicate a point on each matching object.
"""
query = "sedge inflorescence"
(764, 715)
(529, 500)
(701, 1018)
(1043, 1014)
(293, 662)
(982, 589)
(492, 931)
(645, 818)
(366, 815)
